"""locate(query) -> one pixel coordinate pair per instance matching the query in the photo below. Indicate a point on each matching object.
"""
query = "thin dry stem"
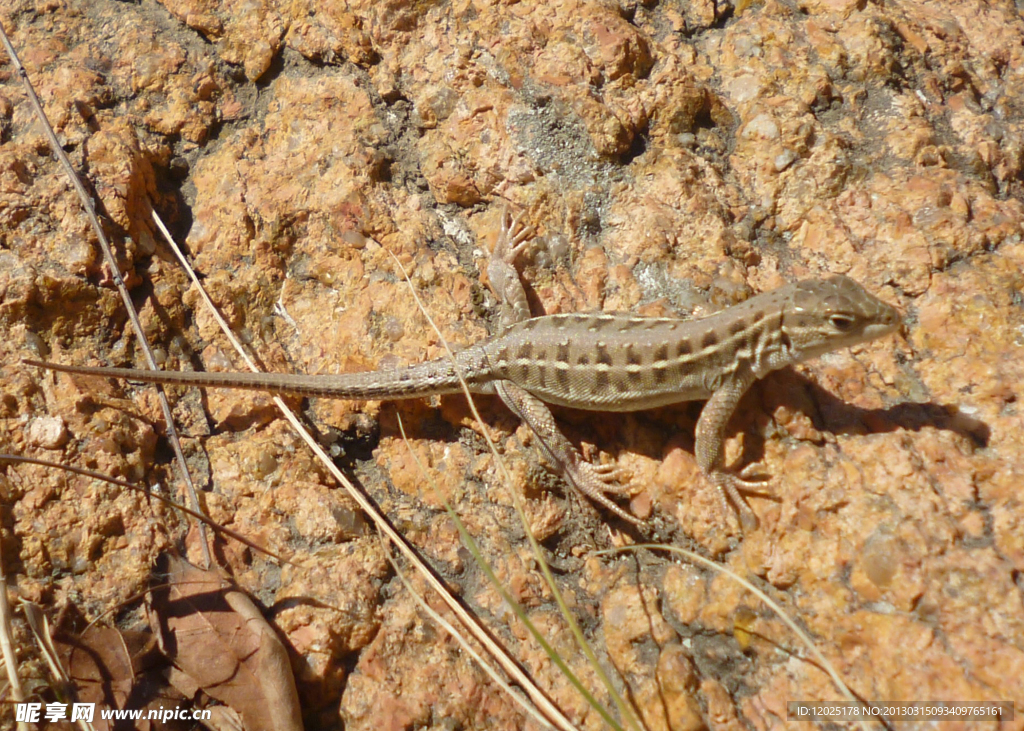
(472, 623)
(772, 604)
(149, 493)
(624, 709)
(108, 255)
(522, 702)
(7, 642)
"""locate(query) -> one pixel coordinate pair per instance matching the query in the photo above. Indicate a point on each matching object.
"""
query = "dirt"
(674, 159)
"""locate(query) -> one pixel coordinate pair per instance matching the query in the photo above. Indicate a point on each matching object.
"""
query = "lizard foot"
(502, 272)
(513, 238)
(597, 482)
(729, 488)
(592, 481)
(612, 476)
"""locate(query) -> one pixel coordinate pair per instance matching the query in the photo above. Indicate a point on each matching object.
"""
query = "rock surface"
(674, 158)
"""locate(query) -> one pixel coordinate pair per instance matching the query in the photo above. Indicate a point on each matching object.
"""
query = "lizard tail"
(424, 379)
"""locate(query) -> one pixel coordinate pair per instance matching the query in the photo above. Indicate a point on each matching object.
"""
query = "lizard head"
(827, 314)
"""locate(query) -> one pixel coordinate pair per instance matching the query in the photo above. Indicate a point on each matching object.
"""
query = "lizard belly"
(615, 400)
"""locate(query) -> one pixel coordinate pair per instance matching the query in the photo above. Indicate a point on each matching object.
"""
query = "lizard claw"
(501, 269)
(610, 475)
(750, 477)
(749, 487)
(597, 482)
(729, 488)
(602, 478)
(513, 238)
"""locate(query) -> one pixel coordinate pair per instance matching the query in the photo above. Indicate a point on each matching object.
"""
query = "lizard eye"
(842, 323)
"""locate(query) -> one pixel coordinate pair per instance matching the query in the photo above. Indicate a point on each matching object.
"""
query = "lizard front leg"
(502, 272)
(710, 445)
(590, 480)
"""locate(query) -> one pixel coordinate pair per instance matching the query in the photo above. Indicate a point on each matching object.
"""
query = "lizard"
(601, 362)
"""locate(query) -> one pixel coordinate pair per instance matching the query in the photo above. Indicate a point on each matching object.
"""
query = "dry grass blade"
(108, 255)
(466, 645)
(149, 493)
(40, 627)
(472, 623)
(538, 554)
(772, 604)
(10, 657)
(517, 608)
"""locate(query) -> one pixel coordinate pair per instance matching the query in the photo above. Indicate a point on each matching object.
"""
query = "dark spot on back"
(759, 315)
(683, 347)
(602, 356)
(632, 357)
(737, 327)
(662, 352)
(563, 353)
(709, 340)
(530, 324)
(678, 372)
(525, 351)
(562, 376)
(583, 360)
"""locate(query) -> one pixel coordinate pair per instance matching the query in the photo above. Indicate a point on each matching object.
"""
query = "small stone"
(784, 160)
(762, 126)
(47, 432)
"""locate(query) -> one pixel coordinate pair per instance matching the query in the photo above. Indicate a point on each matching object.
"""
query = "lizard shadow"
(645, 432)
(840, 417)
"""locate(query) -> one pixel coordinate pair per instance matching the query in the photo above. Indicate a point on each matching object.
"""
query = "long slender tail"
(424, 379)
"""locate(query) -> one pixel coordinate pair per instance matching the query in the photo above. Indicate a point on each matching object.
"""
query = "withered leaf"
(216, 636)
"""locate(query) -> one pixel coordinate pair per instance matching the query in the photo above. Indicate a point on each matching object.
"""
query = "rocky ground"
(674, 158)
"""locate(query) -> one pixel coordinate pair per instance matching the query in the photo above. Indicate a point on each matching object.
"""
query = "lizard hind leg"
(593, 481)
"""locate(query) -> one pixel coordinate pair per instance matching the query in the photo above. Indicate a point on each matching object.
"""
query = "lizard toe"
(605, 478)
(729, 488)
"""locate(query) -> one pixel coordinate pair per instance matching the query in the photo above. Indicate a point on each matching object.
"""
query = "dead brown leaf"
(116, 670)
(219, 642)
